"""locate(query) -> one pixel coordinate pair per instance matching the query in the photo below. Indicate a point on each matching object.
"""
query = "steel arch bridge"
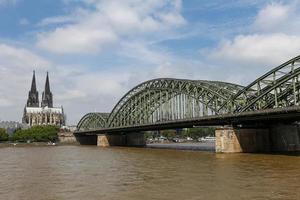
(167, 99)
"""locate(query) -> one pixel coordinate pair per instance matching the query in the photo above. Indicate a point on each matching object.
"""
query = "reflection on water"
(81, 172)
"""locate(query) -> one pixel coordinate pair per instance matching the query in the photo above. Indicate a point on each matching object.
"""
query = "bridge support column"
(102, 140)
(127, 139)
(238, 140)
(106, 140)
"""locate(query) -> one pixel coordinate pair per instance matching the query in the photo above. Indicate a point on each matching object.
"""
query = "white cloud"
(4, 102)
(270, 49)
(275, 39)
(141, 51)
(110, 22)
(56, 20)
(19, 58)
(76, 39)
(279, 17)
(272, 16)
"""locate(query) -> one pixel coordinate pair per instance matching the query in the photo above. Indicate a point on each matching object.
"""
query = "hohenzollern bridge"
(261, 116)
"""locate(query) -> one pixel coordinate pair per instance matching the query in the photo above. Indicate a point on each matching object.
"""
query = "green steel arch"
(277, 88)
(170, 99)
(92, 121)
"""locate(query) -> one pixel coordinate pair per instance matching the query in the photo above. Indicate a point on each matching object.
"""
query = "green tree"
(3, 135)
(37, 134)
(201, 132)
(170, 133)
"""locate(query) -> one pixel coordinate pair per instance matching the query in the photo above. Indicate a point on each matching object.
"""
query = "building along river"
(89, 172)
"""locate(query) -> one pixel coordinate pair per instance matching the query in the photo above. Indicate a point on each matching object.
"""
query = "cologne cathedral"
(44, 113)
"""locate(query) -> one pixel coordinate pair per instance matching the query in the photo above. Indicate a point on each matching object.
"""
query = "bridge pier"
(238, 140)
(135, 139)
(275, 138)
(102, 140)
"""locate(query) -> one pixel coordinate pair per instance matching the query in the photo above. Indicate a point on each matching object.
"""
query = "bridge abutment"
(242, 140)
(275, 138)
(135, 139)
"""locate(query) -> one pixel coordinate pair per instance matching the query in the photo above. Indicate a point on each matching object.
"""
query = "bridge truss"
(92, 121)
(167, 99)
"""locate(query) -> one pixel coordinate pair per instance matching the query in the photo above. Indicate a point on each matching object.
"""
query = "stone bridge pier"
(274, 138)
(133, 139)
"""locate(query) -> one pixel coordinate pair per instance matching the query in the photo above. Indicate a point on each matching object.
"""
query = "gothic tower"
(47, 95)
(33, 95)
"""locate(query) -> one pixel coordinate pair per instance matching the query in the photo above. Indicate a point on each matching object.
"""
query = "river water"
(88, 172)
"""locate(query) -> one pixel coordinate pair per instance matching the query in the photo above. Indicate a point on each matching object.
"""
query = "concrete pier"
(102, 140)
(275, 138)
(125, 139)
(237, 140)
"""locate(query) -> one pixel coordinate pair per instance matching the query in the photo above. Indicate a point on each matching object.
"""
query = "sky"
(97, 50)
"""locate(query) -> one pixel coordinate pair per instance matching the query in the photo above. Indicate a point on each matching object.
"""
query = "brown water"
(81, 172)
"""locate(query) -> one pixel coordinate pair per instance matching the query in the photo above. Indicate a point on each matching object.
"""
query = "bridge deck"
(262, 117)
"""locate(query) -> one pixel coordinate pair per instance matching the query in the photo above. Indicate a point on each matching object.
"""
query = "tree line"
(34, 134)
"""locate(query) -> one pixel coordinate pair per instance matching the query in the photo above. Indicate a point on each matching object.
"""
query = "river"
(88, 172)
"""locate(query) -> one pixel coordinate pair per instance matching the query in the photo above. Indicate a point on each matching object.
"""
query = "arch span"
(170, 99)
(92, 121)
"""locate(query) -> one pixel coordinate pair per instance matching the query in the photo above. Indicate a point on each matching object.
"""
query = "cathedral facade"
(44, 113)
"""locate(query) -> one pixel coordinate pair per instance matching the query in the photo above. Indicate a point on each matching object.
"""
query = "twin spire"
(33, 84)
(33, 96)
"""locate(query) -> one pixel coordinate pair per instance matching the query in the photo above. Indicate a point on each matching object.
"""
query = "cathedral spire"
(47, 85)
(33, 95)
(33, 83)
(47, 95)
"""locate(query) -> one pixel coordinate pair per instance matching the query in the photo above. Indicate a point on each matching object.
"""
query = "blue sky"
(96, 50)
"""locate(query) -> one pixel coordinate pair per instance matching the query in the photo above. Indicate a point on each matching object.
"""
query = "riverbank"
(206, 146)
(33, 144)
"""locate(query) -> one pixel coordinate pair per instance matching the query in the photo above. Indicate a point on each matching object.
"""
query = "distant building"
(46, 114)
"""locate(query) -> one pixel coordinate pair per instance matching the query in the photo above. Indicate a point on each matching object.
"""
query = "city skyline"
(128, 42)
